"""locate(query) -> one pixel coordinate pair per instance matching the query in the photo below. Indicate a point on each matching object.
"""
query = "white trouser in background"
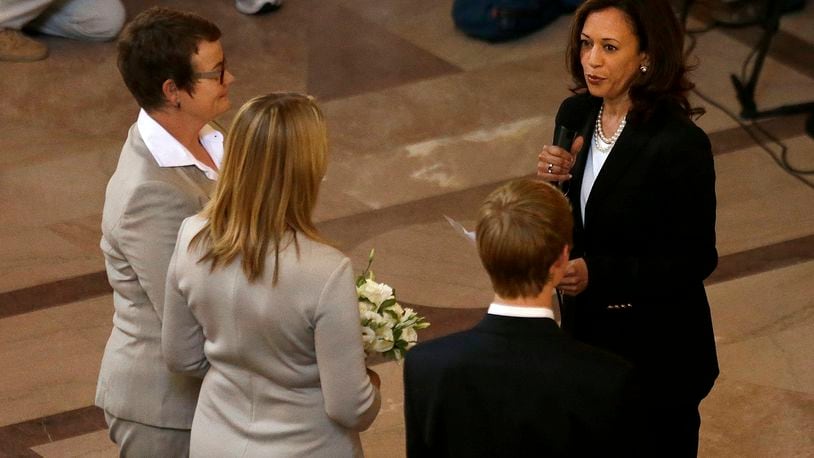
(97, 20)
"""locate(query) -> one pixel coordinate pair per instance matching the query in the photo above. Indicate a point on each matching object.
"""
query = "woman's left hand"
(554, 164)
(576, 277)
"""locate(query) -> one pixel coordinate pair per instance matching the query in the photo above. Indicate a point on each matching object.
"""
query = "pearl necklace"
(602, 143)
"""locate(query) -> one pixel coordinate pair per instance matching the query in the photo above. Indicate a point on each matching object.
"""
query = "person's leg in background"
(14, 45)
(95, 20)
(257, 6)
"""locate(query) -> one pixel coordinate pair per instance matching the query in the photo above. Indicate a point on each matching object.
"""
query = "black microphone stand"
(745, 90)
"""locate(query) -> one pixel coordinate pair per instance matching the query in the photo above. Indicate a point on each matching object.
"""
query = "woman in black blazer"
(641, 183)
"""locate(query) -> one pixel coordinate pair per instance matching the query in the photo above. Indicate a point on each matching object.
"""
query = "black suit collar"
(520, 327)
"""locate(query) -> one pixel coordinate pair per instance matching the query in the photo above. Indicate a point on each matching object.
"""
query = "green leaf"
(367, 272)
(389, 303)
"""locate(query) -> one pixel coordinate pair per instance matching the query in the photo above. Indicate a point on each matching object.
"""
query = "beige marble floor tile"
(70, 88)
(384, 443)
(26, 328)
(92, 319)
(51, 373)
(764, 326)
(62, 189)
(385, 437)
(31, 147)
(714, 119)
(83, 232)
(93, 445)
(758, 203)
(51, 359)
(429, 264)
(437, 136)
(762, 305)
(429, 25)
(435, 166)
(265, 53)
(444, 107)
(33, 256)
(781, 361)
(51, 208)
(800, 23)
(744, 420)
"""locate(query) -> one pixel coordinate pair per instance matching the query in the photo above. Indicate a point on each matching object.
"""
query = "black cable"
(781, 158)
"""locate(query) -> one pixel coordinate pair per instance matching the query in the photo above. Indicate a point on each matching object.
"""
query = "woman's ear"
(645, 61)
(170, 91)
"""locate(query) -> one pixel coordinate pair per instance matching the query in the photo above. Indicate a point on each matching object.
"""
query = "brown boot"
(16, 47)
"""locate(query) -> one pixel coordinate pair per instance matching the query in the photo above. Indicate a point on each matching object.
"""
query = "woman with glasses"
(261, 306)
(642, 190)
(173, 64)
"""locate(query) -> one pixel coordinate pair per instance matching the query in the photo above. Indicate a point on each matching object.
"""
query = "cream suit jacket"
(144, 207)
(286, 374)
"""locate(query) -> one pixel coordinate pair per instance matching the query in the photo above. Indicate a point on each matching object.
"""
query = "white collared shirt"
(520, 312)
(169, 152)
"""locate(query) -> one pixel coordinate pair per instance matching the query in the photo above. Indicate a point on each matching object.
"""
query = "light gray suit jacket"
(144, 207)
(287, 374)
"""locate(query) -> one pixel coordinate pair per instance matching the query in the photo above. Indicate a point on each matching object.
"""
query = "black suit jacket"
(516, 387)
(648, 240)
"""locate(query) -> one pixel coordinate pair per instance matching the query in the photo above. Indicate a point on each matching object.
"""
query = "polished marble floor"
(423, 123)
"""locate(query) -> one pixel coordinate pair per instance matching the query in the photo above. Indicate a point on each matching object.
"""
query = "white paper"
(460, 229)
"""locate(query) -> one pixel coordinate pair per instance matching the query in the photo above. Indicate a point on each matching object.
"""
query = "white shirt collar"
(520, 312)
(169, 152)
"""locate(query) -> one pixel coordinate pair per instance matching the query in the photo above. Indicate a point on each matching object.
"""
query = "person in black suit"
(515, 384)
(641, 182)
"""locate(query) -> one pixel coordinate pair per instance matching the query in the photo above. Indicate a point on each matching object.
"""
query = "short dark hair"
(660, 36)
(158, 45)
(523, 227)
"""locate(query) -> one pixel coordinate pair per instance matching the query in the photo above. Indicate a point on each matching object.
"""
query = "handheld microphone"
(564, 136)
(569, 120)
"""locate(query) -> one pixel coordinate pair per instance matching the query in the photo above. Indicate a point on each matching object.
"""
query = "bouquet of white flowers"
(387, 328)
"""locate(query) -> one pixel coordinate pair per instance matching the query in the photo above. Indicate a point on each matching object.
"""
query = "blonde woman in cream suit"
(265, 310)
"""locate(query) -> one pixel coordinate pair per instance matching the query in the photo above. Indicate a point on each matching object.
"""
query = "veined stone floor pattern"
(423, 122)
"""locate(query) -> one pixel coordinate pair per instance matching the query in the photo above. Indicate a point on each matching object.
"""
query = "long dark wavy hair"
(661, 37)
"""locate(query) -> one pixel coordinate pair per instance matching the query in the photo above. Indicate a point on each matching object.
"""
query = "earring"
(178, 105)
(643, 68)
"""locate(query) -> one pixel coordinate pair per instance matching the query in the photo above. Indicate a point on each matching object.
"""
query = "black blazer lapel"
(575, 185)
(630, 145)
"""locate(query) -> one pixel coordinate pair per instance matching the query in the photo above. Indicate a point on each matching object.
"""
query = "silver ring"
(550, 168)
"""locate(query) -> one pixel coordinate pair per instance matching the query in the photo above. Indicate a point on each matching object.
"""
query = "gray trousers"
(137, 440)
(96, 20)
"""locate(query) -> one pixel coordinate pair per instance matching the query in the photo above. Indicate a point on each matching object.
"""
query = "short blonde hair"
(522, 229)
(274, 161)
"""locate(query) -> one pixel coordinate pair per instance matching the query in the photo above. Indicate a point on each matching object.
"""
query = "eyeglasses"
(213, 75)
